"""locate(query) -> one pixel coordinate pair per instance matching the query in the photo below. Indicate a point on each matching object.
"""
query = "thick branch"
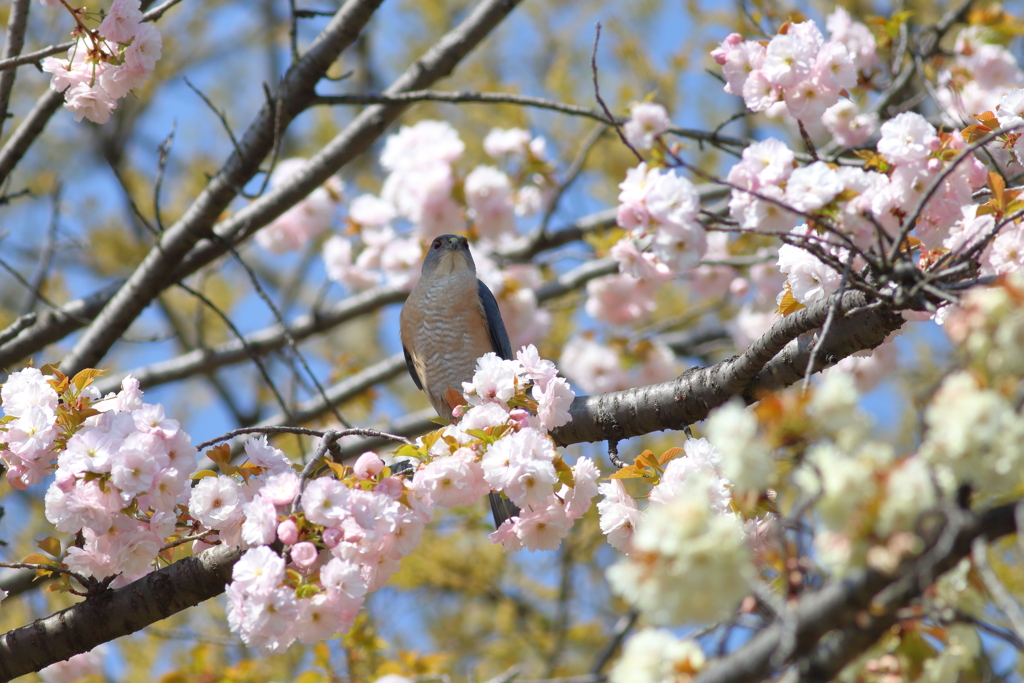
(846, 602)
(116, 613)
(51, 326)
(26, 133)
(777, 360)
(13, 42)
(262, 342)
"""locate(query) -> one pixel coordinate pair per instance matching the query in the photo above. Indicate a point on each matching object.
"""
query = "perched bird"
(449, 320)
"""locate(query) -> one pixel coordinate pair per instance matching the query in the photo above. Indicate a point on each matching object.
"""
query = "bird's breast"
(447, 330)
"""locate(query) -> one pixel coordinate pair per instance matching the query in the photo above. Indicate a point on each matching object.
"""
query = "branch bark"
(864, 602)
(779, 359)
(264, 341)
(13, 42)
(116, 613)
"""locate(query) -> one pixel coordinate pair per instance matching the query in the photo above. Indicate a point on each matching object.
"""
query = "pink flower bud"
(390, 487)
(332, 537)
(287, 531)
(14, 473)
(459, 411)
(65, 480)
(739, 287)
(304, 554)
(519, 418)
(368, 466)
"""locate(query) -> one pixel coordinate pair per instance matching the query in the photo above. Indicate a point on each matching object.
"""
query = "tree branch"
(13, 42)
(779, 359)
(262, 342)
(26, 133)
(157, 269)
(356, 138)
(116, 613)
(864, 603)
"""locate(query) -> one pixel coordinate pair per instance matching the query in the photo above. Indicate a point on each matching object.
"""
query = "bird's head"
(446, 255)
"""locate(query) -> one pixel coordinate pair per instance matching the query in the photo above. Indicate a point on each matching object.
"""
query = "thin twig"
(284, 429)
(238, 334)
(597, 96)
(1002, 597)
(828, 323)
(292, 344)
(163, 156)
(571, 175)
(188, 539)
(45, 255)
(463, 97)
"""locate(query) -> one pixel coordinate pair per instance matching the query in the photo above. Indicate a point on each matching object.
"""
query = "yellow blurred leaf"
(174, 677)
(38, 558)
(85, 377)
(310, 677)
(628, 472)
(339, 470)
(788, 304)
(668, 455)
(220, 454)
(50, 545)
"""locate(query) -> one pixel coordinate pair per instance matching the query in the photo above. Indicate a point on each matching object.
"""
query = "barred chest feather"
(448, 332)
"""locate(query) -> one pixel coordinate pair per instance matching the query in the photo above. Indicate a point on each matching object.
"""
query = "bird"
(449, 320)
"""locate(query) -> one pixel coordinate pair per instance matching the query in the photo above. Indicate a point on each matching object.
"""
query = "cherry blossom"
(646, 122)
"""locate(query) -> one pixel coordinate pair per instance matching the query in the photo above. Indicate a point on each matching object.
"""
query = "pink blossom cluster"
(385, 256)
(598, 368)
(647, 121)
(619, 513)
(218, 503)
(518, 401)
(304, 221)
(979, 73)
(30, 409)
(418, 188)
(421, 178)
(514, 286)
(105, 65)
(659, 209)
(771, 191)
(526, 155)
(801, 74)
(421, 187)
(129, 457)
(342, 539)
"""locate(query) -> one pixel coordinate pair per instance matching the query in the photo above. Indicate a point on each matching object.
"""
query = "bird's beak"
(452, 244)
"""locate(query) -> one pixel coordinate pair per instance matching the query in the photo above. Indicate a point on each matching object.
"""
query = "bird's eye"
(436, 244)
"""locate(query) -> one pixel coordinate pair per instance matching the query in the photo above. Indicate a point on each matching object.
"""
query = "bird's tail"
(502, 508)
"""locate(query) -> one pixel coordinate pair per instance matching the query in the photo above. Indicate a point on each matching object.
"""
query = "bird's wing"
(502, 508)
(412, 368)
(495, 327)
